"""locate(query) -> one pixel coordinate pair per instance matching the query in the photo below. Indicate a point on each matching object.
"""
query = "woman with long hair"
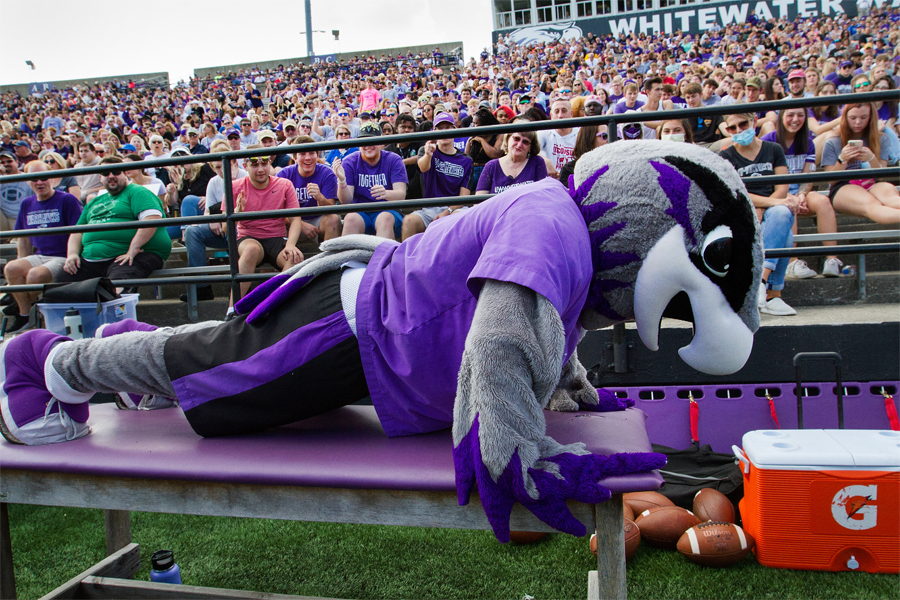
(793, 136)
(813, 77)
(824, 121)
(860, 141)
(69, 184)
(773, 89)
(675, 130)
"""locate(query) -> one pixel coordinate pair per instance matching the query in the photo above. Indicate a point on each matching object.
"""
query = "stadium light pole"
(309, 29)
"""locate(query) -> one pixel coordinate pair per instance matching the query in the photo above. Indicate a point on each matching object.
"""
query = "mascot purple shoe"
(473, 324)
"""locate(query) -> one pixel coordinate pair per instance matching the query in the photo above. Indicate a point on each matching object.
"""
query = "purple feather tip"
(252, 300)
(281, 294)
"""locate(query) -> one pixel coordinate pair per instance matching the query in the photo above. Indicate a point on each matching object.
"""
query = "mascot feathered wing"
(672, 233)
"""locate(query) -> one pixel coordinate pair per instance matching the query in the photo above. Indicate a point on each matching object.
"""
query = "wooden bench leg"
(608, 581)
(7, 573)
(118, 530)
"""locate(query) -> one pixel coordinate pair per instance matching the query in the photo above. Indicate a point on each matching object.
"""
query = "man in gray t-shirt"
(11, 194)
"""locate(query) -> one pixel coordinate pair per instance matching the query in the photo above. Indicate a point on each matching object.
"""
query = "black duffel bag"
(98, 289)
(689, 471)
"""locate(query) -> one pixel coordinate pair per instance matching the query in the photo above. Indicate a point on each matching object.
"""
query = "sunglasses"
(50, 162)
(741, 126)
(343, 114)
(259, 161)
(343, 134)
(101, 152)
(604, 136)
(108, 174)
(861, 84)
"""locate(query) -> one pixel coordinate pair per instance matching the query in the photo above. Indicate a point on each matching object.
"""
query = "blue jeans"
(197, 238)
(776, 233)
(190, 207)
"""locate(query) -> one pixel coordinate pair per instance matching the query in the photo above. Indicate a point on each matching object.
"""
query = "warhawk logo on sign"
(854, 507)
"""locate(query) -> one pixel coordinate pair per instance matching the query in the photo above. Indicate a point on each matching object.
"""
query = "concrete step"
(880, 288)
(171, 313)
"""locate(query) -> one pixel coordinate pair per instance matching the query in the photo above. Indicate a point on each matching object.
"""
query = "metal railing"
(231, 218)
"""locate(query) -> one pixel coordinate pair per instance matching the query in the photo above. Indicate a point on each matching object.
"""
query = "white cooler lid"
(850, 448)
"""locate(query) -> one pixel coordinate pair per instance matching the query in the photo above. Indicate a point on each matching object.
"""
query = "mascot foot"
(29, 413)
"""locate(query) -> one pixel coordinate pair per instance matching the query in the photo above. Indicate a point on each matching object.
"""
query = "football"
(526, 537)
(663, 526)
(627, 512)
(712, 505)
(632, 539)
(715, 544)
(638, 502)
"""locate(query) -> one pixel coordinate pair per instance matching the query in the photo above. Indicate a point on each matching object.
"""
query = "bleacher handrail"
(230, 216)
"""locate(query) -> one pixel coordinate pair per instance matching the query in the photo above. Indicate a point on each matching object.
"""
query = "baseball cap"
(846, 63)
(191, 130)
(129, 147)
(266, 133)
(365, 115)
(289, 123)
(8, 154)
(797, 74)
(181, 150)
(231, 132)
(485, 104)
(22, 143)
(369, 130)
(592, 100)
(771, 65)
(755, 82)
(444, 117)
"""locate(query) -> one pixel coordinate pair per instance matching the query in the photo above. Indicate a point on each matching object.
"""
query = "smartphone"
(855, 143)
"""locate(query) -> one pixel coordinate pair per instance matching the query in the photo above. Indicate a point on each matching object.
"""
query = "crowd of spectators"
(370, 97)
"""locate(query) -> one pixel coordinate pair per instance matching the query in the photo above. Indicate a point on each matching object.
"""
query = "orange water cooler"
(825, 500)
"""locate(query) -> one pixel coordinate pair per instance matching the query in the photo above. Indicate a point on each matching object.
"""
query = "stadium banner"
(693, 19)
(38, 88)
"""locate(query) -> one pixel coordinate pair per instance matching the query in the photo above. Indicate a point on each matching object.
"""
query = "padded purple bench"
(337, 468)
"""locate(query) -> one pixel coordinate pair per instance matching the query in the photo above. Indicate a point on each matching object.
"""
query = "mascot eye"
(717, 250)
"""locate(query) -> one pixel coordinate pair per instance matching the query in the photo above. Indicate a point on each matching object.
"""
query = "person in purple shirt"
(522, 165)
(371, 175)
(39, 258)
(842, 78)
(316, 185)
(446, 171)
(630, 101)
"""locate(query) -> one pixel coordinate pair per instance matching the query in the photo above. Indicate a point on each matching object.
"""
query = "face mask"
(744, 138)
(673, 137)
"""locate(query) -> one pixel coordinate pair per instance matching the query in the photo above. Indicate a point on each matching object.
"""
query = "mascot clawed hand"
(473, 324)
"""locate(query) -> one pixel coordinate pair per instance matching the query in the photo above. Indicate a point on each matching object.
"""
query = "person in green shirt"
(124, 253)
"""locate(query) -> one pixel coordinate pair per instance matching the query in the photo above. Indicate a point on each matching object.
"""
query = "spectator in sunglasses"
(120, 254)
(522, 164)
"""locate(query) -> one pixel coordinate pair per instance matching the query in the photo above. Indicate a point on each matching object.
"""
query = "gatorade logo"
(853, 507)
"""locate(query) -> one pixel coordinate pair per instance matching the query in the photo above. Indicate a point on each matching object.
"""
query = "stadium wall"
(27, 89)
(691, 18)
(445, 47)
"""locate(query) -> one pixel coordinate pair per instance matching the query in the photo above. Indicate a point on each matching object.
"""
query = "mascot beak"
(722, 341)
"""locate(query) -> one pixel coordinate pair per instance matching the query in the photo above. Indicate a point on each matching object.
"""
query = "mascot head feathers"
(673, 233)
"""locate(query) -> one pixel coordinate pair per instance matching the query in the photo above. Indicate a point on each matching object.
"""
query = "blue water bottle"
(164, 569)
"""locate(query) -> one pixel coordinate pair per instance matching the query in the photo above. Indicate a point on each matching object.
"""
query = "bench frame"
(119, 495)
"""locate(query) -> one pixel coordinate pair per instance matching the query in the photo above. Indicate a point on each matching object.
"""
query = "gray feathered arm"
(510, 368)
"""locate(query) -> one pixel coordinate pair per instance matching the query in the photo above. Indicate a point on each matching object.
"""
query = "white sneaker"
(761, 298)
(832, 268)
(778, 307)
(799, 270)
